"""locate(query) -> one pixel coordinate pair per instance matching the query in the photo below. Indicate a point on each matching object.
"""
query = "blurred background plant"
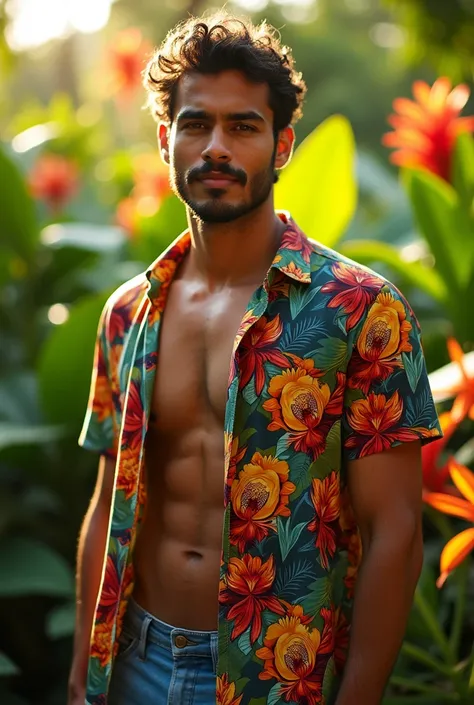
(85, 204)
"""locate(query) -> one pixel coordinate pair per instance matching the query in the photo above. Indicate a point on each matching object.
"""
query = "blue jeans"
(158, 663)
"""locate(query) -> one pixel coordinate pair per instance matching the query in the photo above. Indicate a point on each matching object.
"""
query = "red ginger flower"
(54, 180)
(127, 56)
(425, 130)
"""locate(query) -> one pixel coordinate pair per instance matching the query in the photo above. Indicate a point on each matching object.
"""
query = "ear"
(163, 142)
(284, 148)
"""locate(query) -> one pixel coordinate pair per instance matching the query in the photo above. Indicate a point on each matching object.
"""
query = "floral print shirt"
(327, 367)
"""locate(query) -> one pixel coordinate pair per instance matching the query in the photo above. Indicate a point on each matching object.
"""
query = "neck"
(236, 253)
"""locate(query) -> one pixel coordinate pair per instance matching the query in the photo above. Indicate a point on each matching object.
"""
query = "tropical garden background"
(384, 172)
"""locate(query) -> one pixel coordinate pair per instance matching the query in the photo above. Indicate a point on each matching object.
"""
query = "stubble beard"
(214, 209)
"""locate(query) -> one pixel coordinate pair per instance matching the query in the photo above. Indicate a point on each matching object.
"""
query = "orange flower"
(355, 290)
(305, 408)
(259, 346)
(247, 587)
(291, 653)
(127, 59)
(375, 422)
(259, 494)
(461, 545)
(226, 691)
(127, 477)
(425, 130)
(326, 500)
(384, 336)
(235, 455)
(101, 642)
(464, 403)
(54, 180)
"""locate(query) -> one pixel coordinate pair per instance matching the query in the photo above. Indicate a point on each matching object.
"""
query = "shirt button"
(180, 641)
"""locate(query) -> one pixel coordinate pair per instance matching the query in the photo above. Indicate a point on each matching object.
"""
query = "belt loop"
(143, 637)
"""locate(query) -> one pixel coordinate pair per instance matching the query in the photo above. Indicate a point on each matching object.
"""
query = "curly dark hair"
(221, 42)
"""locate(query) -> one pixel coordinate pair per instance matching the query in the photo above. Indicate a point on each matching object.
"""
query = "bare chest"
(195, 345)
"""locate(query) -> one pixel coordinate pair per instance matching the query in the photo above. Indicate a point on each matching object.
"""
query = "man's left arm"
(386, 494)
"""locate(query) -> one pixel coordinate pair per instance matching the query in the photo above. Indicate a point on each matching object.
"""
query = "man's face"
(221, 145)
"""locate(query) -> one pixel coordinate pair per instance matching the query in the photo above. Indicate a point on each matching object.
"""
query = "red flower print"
(257, 347)
(304, 407)
(355, 290)
(292, 655)
(247, 587)
(259, 494)
(326, 500)
(226, 691)
(383, 338)
(375, 422)
(294, 239)
(135, 421)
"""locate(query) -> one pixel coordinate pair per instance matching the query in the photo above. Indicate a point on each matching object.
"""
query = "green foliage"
(318, 187)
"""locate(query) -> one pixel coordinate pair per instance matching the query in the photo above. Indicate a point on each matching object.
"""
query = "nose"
(216, 149)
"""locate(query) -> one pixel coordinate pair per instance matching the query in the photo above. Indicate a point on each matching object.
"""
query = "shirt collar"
(293, 258)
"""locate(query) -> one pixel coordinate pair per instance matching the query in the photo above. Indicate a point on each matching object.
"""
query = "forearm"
(383, 599)
(91, 550)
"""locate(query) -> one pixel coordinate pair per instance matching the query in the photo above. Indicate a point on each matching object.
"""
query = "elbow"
(400, 540)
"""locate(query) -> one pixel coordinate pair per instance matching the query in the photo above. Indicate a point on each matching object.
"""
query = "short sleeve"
(98, 429)
(387, 400)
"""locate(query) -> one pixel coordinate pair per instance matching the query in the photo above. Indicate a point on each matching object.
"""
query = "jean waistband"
(182, 642)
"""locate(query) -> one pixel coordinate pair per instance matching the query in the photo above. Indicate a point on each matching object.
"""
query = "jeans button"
(180, 641)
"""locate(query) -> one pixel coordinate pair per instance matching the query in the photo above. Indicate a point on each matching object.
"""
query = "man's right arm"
(92, 540)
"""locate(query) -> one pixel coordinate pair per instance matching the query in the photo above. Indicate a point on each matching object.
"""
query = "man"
(259, 403)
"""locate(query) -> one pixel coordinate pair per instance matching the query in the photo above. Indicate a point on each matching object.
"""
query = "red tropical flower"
(375, 421)
(425, 130)
(111, 589)
(383, 338)
(304, 407)
(461, 545)
(257, 347)
(54, 180)
(127, 59)
(101, 642)
(326, 501)
(295, 655)
(259, 494)
(355, 290)
(435, 476)
(134, 418)
(247, 587)
(294, 239)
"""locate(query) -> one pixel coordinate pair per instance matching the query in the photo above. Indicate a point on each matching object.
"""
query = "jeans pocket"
(128, 644)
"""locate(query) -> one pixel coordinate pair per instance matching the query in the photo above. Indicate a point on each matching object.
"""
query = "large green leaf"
(18, 225)
(32, 568)
(445, 225)
(318, 187)
(7, 667)
(97, 238)
(61, 620)
(463, 168)
(18, 434)
(369, 252)
(65, 363)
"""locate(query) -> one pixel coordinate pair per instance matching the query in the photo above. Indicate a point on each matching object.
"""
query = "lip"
(217, 180)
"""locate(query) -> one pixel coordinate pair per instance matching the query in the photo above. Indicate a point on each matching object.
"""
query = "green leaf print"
(274, 696)
(300, 298)
(244, 642)
(248, 392)
(320, 594)
(331, 354)
(330, 459)
(413, 368)
(328, 678)
(292, 578)
(283, 449)
(287, 536)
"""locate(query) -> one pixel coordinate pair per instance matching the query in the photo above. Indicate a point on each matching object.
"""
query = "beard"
(214, 209)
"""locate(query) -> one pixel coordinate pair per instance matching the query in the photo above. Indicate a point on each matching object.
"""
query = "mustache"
(200, 171)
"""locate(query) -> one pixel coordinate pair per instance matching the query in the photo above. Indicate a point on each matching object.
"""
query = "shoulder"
(356, 283)
(121, 308)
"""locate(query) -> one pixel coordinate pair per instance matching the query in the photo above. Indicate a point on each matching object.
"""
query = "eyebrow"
(192, 114)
